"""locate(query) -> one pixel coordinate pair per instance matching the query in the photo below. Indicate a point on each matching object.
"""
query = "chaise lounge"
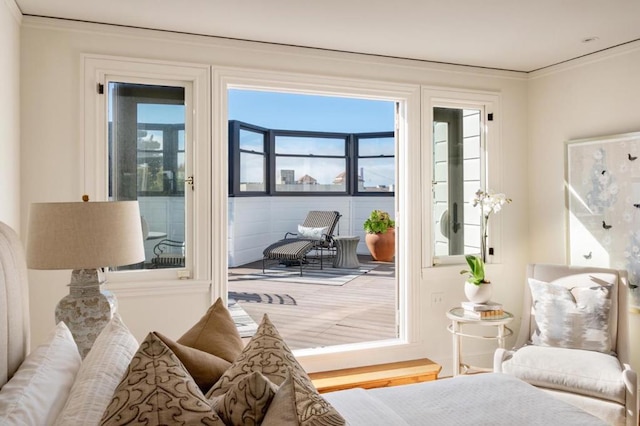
(315, 233)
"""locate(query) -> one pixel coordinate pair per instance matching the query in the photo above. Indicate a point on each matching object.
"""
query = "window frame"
(350, 156)
(355, 159)
(98, 72)
(411, 341)
(490, 153)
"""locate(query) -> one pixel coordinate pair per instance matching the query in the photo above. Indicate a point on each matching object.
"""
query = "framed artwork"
(603, 204)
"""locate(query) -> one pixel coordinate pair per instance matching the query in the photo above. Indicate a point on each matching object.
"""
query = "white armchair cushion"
(575, 317)
(589, 373)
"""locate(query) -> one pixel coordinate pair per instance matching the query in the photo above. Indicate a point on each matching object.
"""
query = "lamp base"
(86, 309)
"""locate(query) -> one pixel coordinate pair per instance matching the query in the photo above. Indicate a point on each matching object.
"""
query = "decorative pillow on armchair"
(574, 318)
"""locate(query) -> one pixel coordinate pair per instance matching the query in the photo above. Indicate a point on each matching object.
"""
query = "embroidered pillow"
(312, 233)
(269, 355)
(266, 353)
(157, 390)
(298, 404)
(246, 402)
(574, 318)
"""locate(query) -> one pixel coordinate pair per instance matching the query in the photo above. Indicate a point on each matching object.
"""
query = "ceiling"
(514, 35)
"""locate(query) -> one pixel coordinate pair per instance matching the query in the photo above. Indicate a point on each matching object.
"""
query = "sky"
(288, 111)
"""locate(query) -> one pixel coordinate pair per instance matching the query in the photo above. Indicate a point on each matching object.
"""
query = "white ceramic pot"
(478, 293)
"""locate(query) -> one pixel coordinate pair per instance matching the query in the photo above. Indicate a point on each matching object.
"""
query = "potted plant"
(381, 236)
(477, 288)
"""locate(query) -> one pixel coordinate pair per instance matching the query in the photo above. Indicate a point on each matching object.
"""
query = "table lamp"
(85, 237)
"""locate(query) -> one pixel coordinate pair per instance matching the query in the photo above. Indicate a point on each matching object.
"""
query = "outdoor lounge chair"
(315, 233)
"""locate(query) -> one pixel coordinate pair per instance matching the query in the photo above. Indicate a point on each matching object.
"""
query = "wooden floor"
(314, 315)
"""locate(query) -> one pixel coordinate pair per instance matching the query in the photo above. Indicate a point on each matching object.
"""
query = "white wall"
(10, 18)
(53, 167)
(595, 96)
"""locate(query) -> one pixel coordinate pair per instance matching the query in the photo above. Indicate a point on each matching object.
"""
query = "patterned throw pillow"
(268, 354)
(574, 318)
(157, 390)
(297, 404)
(246, 403)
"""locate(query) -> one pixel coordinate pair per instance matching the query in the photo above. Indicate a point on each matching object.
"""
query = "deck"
(310, 315)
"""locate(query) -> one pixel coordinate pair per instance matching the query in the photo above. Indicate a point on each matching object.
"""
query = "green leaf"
(476, 272)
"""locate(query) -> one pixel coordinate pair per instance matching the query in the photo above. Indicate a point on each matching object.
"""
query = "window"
(247, 152)
(309, 162)
(140, 126)
(147, 163)
(459, 152)
(375, 163)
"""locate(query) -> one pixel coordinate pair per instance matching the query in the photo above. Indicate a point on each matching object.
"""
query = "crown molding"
(14, 10)
(603, 55)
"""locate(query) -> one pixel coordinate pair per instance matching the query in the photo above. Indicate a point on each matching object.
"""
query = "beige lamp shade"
(84, 235)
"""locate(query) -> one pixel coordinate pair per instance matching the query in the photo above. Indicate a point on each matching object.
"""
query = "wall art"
(603, 204)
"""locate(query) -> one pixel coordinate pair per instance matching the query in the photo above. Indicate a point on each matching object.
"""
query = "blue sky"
(288, 111)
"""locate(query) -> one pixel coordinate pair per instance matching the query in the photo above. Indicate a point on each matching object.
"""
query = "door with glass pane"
(148, 163)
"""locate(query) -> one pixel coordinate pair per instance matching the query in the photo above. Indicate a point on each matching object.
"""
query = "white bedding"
(484, 399)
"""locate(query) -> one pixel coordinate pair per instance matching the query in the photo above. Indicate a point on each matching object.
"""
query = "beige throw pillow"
(157, 390)
(215, 333)
(205, 368)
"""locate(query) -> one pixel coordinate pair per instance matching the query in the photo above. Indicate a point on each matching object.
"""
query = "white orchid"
(489, 202)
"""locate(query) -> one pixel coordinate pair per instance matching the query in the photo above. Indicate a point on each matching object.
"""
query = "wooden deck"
(316, 315)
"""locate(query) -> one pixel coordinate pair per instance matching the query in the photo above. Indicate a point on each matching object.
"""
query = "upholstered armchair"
(574, 340)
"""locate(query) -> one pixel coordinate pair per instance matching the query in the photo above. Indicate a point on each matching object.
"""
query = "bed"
(52, 385)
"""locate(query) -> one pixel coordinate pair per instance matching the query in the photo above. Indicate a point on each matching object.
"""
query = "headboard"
(14, 304)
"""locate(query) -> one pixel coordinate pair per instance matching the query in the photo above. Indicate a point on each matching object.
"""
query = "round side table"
(346, 256)
(458, 318)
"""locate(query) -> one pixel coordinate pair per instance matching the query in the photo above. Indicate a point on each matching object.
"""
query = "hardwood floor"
(316, 315)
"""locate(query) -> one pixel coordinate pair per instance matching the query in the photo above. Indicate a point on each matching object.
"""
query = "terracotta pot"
(383, 245)
(478, 293)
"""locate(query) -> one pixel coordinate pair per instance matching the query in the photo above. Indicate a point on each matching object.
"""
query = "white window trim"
(408, 223)
(489, 102)
(97, 69)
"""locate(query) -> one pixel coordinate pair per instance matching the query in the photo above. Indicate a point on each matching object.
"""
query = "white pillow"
(100, 373)
(37, 392)
(312, 233)
(573, 318)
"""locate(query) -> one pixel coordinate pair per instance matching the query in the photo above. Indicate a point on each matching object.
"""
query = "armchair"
(574, 340)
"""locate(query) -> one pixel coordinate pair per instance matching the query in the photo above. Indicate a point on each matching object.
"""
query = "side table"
(458, 318)
(346, 256)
